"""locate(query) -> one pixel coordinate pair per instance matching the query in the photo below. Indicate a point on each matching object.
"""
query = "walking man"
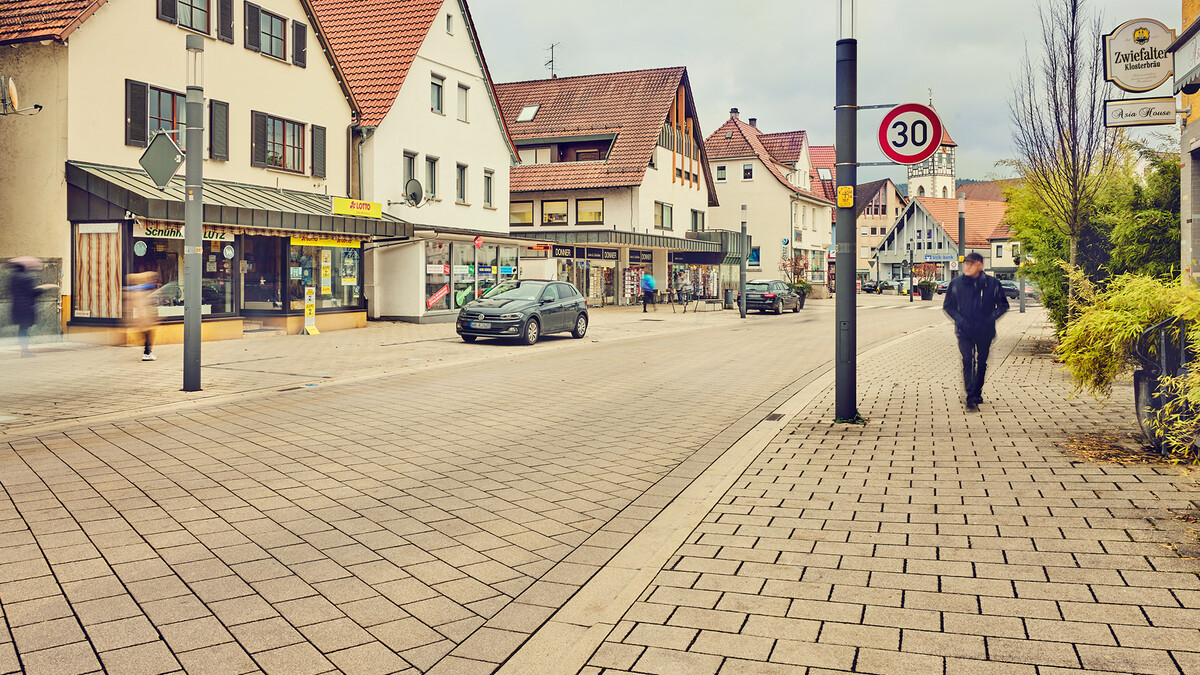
(24, 292)
(648, 288)
(140, 315)
(975, 301)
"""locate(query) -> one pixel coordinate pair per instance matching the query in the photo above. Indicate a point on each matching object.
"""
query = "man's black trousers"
(974, 355)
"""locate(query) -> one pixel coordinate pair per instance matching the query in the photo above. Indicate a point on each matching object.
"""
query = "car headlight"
(509, 317)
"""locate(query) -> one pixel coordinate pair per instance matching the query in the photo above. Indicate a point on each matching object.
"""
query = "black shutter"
(218, 130)
(253, 27)
(137, 121)
(318, 151)
(225, 20)
(166, 10)
(299, 44)
(258, 139)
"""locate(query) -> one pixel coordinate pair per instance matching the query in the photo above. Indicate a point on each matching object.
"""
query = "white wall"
(657, 187)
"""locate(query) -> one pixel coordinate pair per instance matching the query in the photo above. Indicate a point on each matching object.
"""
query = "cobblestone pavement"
(417, 520)
(932, 540)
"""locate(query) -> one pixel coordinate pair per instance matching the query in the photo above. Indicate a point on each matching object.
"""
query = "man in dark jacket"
(975, 300)
(24, 291)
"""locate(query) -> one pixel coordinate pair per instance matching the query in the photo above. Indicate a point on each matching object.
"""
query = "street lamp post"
(846, 117)
(962, 230)
(742, 266)
(193, 212)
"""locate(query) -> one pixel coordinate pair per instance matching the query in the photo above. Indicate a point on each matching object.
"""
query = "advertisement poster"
(441, 293)
(326, 273)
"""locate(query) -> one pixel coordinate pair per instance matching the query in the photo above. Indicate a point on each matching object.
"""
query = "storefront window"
(158, 247)
(331, 267)
(262, 286)
(486, 271)
(437, 275)
(97, 271)
(464, 274)
(507, 264)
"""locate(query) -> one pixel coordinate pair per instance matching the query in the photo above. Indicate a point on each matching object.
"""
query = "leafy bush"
(802, 286)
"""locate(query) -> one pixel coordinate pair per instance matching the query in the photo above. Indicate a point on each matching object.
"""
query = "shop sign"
(326, 273)
(563, 251)
(357, 208)
(938, 258)
(166, 231)
(1135, 55)
(228, 252)
(538, 247)
(439, 269)
(462, 269)
(310, 311)
(325, 243)
(1139, 112)
(441, 293)
(504, 269)
(485, 269)
(602, 254)
(637, 256)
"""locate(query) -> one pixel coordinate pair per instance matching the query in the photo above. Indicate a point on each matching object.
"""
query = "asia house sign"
(1136, 57)
(1139, 112)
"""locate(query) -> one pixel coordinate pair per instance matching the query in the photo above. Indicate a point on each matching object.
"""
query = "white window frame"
(440, 83)
(464, 95)
(721, 170)
(460, 183)
(489, 187)
(748, 168)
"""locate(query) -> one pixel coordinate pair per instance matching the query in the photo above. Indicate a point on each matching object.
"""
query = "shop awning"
(618, 238)
(468, 234)
(97, 192)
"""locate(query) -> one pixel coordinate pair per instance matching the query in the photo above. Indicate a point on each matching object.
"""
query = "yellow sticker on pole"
(846, 197)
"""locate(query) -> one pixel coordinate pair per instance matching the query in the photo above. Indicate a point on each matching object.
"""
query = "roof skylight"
(527, 113)
(824, 173)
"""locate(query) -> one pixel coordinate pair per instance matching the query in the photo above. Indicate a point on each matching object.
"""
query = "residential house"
(109, 77)
(876, 204)
(928, 228)
(823, 179)
(426, 111)
(612, 171)
(771, 175)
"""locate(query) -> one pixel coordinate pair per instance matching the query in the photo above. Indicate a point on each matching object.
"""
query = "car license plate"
(482, 325)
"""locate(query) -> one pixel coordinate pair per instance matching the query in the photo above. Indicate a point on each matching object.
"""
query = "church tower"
(936, 176)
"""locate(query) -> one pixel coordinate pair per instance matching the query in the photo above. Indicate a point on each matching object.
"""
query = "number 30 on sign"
(910, 133)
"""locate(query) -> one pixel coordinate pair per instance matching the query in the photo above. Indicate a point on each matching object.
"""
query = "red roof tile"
(823, 157)
(631, 105)
(785, 147)
(982, 218)
(738, 139)
(28, 20)
(992, 190)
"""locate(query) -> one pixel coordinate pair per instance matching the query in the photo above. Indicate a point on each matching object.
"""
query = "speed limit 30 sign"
(910, 133)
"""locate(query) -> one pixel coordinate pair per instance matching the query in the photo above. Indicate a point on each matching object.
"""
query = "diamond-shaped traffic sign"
(161, 159)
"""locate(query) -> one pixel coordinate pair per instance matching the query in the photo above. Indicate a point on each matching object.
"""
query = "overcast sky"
(774, 59)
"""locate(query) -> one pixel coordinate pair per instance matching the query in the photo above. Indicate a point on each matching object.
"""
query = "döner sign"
(1135, 55)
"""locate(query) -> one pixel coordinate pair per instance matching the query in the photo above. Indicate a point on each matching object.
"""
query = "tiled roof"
(823, 157)
(982, 218)
(992, 190)
(27, 20)
(864, 193)
(745, 140)
(631, 105)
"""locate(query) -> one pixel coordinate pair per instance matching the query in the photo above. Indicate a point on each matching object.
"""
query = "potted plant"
(924, 274)
(795, 275)
(802, 288)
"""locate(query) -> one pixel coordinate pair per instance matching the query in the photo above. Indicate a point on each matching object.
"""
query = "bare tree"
(1057, 109)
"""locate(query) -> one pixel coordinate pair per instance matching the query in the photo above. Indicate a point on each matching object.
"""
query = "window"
(520, 213)
(462, 102)
(929, 234)
(678, 173)
(431, 183)
(435, 94)
(755, 259)
(747, 172)
(921, 191)
(460, 184)
(285, 144)
(193, 14)
(999, 250)
(587, 156)
(527, 113)
(864, 252)
(697, 221)
(1014, 250)
(939, 244)
(824, 174)
(450, 24)
(944, 193)
(272, 38)
(919, 234)
(410, 168)
(554, 213)
(589, 211)
(488, 181)
(862, 231)
(919, 245)
(874, 230)
(662, 216)
(166, 112)
(720, 173)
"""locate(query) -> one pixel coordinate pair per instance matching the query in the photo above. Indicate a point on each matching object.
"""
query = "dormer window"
(527, 113)
(824, 174)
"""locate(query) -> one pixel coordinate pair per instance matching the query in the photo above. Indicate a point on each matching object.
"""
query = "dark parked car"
(771, 295)
(1011, 289)
(942, 286)
(869, 287)
(526, 310)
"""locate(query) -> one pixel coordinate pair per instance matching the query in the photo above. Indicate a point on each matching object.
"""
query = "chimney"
(754, 122)
(733, 113)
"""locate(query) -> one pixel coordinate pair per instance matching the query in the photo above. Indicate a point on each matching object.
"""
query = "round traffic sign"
(910, 133)
(478, 242)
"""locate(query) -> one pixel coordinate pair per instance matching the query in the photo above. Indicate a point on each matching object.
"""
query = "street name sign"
(910, 133)
(1139, 112)
(1135, 55)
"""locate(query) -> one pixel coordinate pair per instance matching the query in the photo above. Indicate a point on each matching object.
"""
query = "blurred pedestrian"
(141, 315)
(648, 289)
(24, 291)
(975, 301)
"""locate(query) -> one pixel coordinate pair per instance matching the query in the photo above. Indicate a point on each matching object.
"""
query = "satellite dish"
(414, 192)
(10, 90)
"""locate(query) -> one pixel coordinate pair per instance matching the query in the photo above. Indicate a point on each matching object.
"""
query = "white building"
(108, 77)
(928, 228)
(426, 110)
(613, 172)
(936, 176)
(772, 174)
(877, 205)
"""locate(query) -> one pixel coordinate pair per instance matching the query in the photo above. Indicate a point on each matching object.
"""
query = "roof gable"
(738, 139)
(31, 20)
(983, 218)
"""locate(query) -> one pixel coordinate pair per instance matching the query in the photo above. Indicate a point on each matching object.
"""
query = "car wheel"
(796, 309)
(532, 332)
(778, 307)
(581, 325)
(468, 338)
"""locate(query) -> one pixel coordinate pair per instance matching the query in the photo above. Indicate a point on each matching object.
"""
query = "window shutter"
(218, 130)
(166, 10)
(318, 151)
(253, 27)
(136, 121)
(225, 20)
(258, 139)
(299, 44)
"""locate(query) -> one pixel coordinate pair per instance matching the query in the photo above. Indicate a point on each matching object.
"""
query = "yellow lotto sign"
(356, 207)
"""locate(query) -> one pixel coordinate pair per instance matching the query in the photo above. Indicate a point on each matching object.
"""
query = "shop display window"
(97, 293)
(262, 283)
(332, 268)
(164, 255)
(463, 269)
(437, 281)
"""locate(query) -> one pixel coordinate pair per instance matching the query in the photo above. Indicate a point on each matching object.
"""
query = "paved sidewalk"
(931, 540)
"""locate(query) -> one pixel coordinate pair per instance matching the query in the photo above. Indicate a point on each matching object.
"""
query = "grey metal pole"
(911, 275)
(846, 118)
(1021, 294)
(742, 272)
(962, 230)
(193, 221)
